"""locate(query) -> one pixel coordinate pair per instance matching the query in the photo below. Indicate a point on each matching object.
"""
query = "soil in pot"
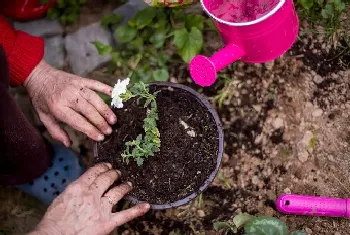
(188, 153)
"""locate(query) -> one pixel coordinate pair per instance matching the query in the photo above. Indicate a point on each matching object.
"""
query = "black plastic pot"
(211, 177)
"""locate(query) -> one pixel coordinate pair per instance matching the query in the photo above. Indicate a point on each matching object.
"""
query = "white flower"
(119, 88)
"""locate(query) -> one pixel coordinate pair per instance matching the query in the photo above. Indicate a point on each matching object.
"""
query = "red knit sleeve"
(23, 51)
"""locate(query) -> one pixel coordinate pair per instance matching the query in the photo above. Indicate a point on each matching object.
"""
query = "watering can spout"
(203, 69)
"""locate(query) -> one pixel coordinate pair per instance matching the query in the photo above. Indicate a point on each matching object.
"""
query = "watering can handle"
(203, 69)
(314, 206)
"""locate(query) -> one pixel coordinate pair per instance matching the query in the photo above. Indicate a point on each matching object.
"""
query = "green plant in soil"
(66, 11)
(255, 225)
(228, 85)
(151, 39)
(143, 146)
(328, 13)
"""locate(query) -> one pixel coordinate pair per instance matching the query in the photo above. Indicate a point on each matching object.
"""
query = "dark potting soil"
(183, 163)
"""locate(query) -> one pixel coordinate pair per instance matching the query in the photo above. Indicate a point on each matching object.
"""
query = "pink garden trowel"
(314, 206)
(254, 31)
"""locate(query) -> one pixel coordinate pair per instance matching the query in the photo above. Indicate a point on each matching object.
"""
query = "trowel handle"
(314, 206)
(203, 69)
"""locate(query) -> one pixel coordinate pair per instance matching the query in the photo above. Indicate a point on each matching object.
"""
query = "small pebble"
(309, 231)
(287, 191)
(200, 213)
(278, 123)
(255, 180)
(303, 156)
(331, 158)
(317, 113)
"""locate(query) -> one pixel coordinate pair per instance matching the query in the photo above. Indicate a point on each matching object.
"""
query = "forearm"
(23, 51)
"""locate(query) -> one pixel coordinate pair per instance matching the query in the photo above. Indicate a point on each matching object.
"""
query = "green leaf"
(162, 60)
(108, 20)
(265, 225)
(298, 233)
(125, 33)
(328, 11)
(139, 161)
(196, 21)
(307, 4)
(223, 226)
(116, 58)
(102, 48)
(241, 219)
(188, 43)
(210, 24)
(180, 37)
(145, 17)
(132, 23)
(53, 14)
(340, 6)
(158, 39)
(137, 44)
(161, 75)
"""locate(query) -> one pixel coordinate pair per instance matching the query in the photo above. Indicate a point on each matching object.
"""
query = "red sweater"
(23, 51)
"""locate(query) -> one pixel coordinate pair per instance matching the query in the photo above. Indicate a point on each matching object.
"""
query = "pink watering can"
(313, 206)
(254, 31)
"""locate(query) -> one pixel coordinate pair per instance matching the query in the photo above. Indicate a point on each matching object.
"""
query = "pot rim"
(211, 177)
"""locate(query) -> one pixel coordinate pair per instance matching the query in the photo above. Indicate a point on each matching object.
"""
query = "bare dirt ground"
(287, 130)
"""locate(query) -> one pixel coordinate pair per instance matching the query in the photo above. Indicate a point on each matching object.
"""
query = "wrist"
(47, 227)
(37, 75)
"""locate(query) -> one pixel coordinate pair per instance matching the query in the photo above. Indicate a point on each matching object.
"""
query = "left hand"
(59, 96)
(85, 209)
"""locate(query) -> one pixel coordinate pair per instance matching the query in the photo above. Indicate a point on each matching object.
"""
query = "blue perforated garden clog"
(65, 169)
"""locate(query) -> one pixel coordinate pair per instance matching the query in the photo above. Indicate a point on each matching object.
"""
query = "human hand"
(59, 96)
(84, 209)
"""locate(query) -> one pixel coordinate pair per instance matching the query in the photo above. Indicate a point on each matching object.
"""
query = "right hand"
(58, 96)
(85, 209)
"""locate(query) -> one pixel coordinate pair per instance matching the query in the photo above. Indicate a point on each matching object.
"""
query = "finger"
(86, 109)
(97, 86)
(100, 106)
(91, 174)
(78, 122)
(118, 192)
(104, 181)
(125, 216)
(57, 132)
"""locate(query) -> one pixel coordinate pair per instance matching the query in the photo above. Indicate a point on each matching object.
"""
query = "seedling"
(145, 146)
(255, 225)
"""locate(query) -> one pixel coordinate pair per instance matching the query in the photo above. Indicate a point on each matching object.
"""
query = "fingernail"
(113, 120)
(100, 137)
(129, 183)
(118, 172)
(146, 206)
(109, 165)
(109, 130)
(67, 143)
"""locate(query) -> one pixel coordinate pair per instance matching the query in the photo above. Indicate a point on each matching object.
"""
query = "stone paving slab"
(40, 28)
(54, 52)
(82, 54)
